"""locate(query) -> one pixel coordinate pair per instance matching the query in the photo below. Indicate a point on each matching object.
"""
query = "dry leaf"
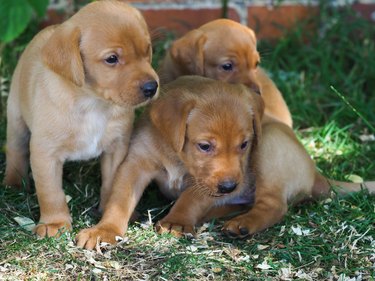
(26, 223)
(263, 266)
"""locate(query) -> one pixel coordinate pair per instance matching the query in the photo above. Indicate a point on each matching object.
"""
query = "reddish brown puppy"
(72, 97)
(224, 50)
(197, 137)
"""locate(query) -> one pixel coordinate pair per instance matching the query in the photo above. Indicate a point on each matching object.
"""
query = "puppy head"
(214, 127)
(106, 48)
(221, 49)
(188, 51)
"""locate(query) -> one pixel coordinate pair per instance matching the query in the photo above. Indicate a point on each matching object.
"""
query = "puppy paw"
(239, 227)
(176, 229)
(52, 229)
(88, 238)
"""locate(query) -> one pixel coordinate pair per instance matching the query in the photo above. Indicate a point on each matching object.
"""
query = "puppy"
(72, 97)
(284, 174)
(204, 139)
(224, 50)
(197, 137)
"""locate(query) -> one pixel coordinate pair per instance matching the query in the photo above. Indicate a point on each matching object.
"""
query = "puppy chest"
(89, 136)
(175, 179)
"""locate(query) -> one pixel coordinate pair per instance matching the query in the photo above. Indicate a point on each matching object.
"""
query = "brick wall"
(266, 17)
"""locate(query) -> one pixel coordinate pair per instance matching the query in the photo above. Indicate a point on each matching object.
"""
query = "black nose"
(149, 88)
(226, 186)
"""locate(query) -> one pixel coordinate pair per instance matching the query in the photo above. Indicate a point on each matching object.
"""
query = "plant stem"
(353, 108)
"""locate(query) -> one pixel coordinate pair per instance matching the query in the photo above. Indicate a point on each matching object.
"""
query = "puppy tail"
(322, 186)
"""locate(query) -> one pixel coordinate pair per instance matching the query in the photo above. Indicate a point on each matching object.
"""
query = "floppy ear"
(169, 115)
(257, 105)
(188, 52)
(62, 55)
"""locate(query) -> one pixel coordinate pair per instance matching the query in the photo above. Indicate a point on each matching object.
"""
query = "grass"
(333, 239)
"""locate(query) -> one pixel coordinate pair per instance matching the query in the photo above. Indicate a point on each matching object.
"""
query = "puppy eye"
(112, 60)
(244, 145)
(257, 64)
(204, 147)
(227, 66)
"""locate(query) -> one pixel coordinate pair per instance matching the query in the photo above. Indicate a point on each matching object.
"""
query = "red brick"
(54, 17)
(181, 21)
(366, 10)
(270, 23)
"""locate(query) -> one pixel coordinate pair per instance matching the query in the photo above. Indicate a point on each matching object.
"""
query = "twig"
(353, 108)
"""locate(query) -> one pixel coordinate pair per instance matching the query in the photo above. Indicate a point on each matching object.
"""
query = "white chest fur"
(90, 121)
(88, 139)
(171, 181)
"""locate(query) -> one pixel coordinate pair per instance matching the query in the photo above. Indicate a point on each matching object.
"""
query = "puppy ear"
(169, 115)
(257, 102)
(62, 55)
(257, 105)
(252, 36)
(188, 52)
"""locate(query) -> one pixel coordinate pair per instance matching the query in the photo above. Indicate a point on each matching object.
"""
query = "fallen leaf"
(355, 178)
(26, 223)
(300, 232)
(68, 198)
(262, 247)
(297, 230)
(263, 266)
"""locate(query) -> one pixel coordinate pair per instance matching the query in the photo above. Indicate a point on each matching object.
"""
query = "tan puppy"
(224, 50)
(72, 97)
(284, 174)
(204, 143)
(177, 147)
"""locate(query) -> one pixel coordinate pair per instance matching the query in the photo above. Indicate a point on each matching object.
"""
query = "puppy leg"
(285, 173)
(185, 213)
(269, 208)
(131, 179)
(109, 164)
(17, 151)
(47, 173)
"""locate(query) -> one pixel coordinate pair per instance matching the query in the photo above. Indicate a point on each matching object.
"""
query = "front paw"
(177, 229)
(90, 237)
(52, 229)
(240, 227)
